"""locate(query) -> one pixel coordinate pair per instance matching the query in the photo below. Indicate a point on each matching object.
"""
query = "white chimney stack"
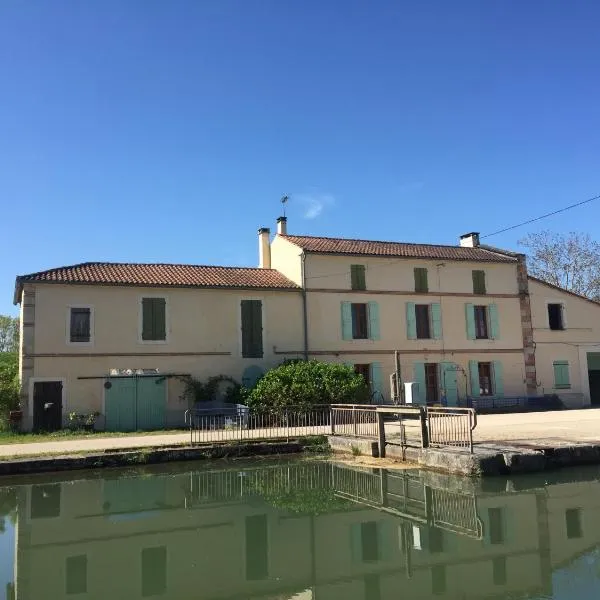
(264, 248)
(282, 226)
(470, 240)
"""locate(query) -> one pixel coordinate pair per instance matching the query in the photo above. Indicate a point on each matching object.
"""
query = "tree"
(570, 261)
(9, 334)
(306, 383)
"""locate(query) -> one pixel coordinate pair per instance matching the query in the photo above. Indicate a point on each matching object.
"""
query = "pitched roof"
(561, 289)
(324, 245)
(160, 275)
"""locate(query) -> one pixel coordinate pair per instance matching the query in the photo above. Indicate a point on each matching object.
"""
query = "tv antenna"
(284, 200)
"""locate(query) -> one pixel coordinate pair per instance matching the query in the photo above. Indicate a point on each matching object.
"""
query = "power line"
(550, 214)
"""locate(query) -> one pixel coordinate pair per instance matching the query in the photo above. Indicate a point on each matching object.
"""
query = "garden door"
(47, 405)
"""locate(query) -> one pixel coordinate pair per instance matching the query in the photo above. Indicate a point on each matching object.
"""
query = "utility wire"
(550, 214)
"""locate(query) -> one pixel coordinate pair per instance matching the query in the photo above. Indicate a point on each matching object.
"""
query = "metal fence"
(451, 427)
(354, 420)
(240, 423)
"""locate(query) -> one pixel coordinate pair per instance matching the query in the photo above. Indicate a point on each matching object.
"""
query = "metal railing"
(240, 423)
(354, 420)
(451, 427)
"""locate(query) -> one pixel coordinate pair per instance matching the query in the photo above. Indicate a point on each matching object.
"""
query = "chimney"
(282, 226)
(264, 248)
(470, 240)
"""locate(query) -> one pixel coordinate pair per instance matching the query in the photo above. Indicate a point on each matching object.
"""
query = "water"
(306, 530)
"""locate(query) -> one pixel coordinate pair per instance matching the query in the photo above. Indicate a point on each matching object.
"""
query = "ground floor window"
(485, 379)
(365, 371)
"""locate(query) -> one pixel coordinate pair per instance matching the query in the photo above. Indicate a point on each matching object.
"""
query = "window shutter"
(421, 284)
(498, 379)
(374, 332)
(474, 378)
(479, 282)
(159, 319)
(436, 320)
(252, 346)
(346, 320)
(449, 382)
(561, 374)
(257, 329)
(147, 319)
(470, 318)
(419, 377)
(494, 322)
(411, 321)
(357, 277)
(376, 376)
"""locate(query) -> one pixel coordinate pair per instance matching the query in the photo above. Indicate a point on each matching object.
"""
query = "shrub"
(9, 383)
(306, 383)
(196, 390)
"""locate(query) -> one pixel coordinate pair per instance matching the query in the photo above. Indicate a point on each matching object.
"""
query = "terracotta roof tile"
(323, 245)
(162, 275)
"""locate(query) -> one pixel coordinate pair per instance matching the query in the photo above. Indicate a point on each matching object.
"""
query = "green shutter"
(419, 377)
(474, 378)
(147, 321)
(561, 374)
(357, 277)
(411, 321)
(494, 322)
(479, 282)
(498, 379)
(449, 382)
(356, 542)
(252, 346)
(377, 389)
(154, 319)
(346, 320)
(374, 333)
(421, 284)
(436, 320)
(470, 319)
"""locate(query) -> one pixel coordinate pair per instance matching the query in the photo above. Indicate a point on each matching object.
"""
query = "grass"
(9, 437)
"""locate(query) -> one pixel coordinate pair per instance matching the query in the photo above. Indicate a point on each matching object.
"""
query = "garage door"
(135, 403)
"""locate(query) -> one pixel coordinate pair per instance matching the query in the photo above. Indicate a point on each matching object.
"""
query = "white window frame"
(141, 320)
(261, 299)
(92, 325)
(549, 301)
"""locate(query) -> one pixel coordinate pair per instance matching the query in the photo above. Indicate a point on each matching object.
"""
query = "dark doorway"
(594, 387)
(47, 405)
(432, 385)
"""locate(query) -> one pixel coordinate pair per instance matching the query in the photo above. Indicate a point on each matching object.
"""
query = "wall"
(286, 258)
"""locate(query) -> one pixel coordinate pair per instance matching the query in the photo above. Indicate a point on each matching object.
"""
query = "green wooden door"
(119, 404)
(151, 401)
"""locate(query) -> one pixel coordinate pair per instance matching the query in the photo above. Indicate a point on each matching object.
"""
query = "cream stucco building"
(467, 322)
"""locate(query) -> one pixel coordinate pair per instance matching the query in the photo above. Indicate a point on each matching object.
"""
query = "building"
(466, 320)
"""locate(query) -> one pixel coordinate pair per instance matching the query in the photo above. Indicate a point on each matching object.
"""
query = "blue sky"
(167, 131)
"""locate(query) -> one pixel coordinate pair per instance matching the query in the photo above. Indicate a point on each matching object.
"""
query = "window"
(485, 379)
(561, 374)
(431, 383)
(360, 329)
(154, 324)
(573, 521)
(76, 574)
(499, 570)
(555, 317)
(252, 329)
(365, 371)
(357, 277)
(421, 284)
(80, 325)
(45, 501)
(423, 321)
(154, 571)
(496, 521)
(481, 323)
(479, 282)
(257, 548)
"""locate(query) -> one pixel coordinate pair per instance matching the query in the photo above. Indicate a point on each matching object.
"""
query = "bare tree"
(570, 261)
(9, 334)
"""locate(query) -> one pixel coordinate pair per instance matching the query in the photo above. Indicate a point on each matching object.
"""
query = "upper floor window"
(573, 522)
(154, 319)
(360, 320)
(423, 321)
(421, 283)
(357, 277)
(252, 329)
(482, 322)
(479, 282)
(80, 325)
(360, 324)
(555, 317)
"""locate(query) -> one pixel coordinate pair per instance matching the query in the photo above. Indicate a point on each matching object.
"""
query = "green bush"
(306, 383)
(196, 390)
(9, 383)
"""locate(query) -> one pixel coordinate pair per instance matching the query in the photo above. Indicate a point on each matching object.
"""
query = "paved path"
(548, 428)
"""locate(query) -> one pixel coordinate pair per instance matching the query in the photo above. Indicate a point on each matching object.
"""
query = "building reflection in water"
(301, 530)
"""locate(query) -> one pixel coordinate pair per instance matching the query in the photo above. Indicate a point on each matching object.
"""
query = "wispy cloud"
(411, 186)
(313, 204)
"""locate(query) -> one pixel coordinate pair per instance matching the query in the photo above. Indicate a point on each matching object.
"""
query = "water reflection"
(307, 530)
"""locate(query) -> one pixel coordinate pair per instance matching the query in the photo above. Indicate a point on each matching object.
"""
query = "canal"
(299, 530)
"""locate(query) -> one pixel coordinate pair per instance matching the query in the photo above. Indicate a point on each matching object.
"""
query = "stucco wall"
(286, 258)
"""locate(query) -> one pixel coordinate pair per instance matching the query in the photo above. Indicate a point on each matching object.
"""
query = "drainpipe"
(304, 306)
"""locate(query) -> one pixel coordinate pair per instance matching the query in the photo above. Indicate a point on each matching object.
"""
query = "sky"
(153, 131)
